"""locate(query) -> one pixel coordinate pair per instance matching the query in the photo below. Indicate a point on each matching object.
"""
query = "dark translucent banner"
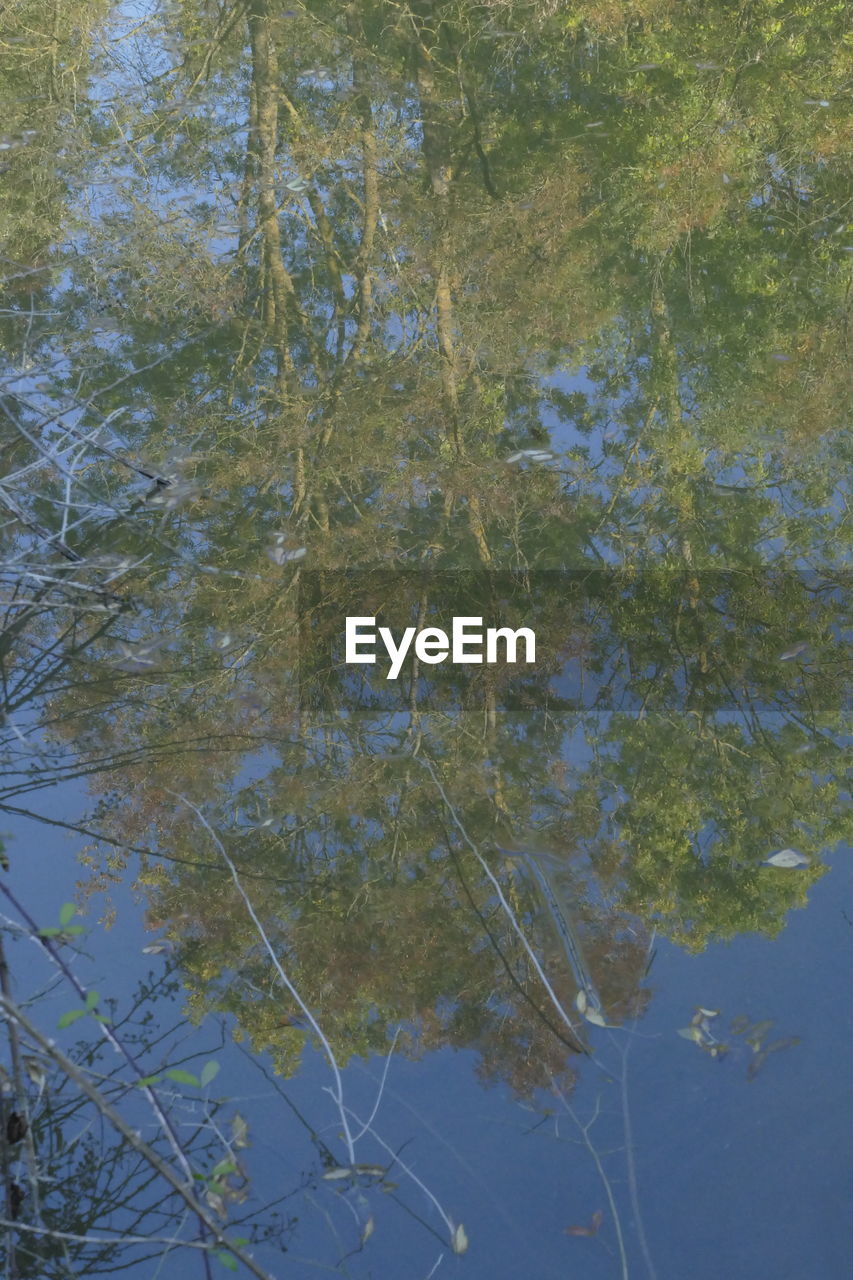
(582, 640)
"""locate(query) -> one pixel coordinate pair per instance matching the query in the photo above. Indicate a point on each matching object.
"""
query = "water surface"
(523, 311)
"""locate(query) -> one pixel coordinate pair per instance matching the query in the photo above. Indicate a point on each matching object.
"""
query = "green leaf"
(227, 1260)
(100, 1017)
(224, 1167)
(182, 1077)
(146, 1080)
(50, 932)
(72, 930)
(91, 1000)
(209, 1072)
(71, 1016)
(67, 913)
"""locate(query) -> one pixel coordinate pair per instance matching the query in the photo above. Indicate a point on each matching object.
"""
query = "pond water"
(527, 313)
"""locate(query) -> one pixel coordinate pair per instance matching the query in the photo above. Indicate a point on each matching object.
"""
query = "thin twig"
(555, 1000)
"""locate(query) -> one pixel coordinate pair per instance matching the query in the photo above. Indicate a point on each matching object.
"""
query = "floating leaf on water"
(794, 651)
(459, 1240)
(371, 1170)
(157, 948)
(755, 1065)
(757, 1034)
(368, 1230)
(141, 656)
(594, 1225)
(786, 858)
(534, 455)
(280, 555)
(786, 1042)
(762, 1053)
(173, 496)
(701, 1020)
(596, 1018)
(692, 1033)
(335, 1175)
(239, 1131)
(581, 1001)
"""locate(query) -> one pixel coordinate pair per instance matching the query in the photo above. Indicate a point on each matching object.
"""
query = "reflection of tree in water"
(342, 266)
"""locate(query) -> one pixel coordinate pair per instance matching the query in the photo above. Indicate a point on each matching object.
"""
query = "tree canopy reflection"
(309, 279)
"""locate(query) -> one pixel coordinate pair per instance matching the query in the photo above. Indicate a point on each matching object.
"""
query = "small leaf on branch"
(182, 1077)
(209, 1072)
(70, 1017)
